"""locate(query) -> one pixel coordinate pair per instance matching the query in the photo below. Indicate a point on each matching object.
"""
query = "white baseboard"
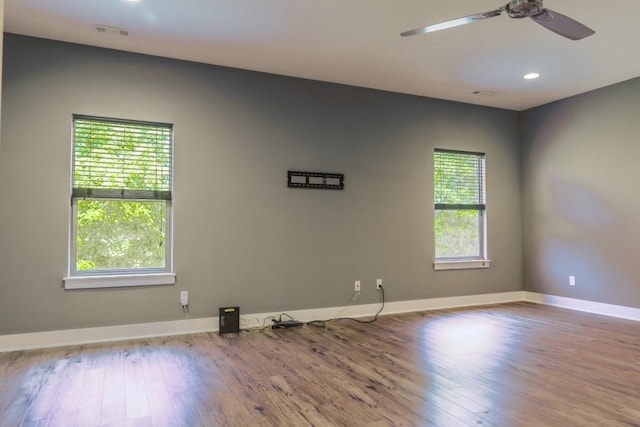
(66, 337)
(612, 310)
(60, 338)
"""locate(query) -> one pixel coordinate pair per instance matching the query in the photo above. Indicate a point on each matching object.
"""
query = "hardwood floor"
(506, 365)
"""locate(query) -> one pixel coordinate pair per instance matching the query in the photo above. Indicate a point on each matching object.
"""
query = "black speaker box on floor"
(229, 320)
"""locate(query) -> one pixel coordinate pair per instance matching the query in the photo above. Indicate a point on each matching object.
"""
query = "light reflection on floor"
(456, 350)
(104, 387)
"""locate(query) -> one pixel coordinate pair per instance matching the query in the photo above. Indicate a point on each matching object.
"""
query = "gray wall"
(580, 195)
(241, 237)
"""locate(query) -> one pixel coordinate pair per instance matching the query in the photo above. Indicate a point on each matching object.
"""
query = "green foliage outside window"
(457, 234)
(119, 234)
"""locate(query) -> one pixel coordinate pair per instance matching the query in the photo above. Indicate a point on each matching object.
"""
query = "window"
(121, 203)
(460, 204)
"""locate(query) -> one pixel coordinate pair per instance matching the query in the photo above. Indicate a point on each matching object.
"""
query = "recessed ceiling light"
(531, 76)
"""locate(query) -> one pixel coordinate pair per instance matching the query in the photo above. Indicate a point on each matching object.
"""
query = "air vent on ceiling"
(112, 30)
(483, 93)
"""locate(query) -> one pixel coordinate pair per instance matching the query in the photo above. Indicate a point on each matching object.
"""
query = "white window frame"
(79, 279)
(477, 262)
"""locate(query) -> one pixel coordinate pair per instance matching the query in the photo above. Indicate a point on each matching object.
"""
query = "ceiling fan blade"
(563, 25)
(453, 23)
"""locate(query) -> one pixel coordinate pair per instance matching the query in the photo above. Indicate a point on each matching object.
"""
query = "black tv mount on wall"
(319, 180)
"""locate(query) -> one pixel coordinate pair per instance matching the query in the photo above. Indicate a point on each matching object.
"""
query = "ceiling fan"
(533, 9)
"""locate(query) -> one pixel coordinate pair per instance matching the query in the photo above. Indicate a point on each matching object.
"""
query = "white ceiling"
(357, 42)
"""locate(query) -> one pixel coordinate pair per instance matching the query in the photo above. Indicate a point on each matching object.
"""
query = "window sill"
(119, 281)
(461, 265)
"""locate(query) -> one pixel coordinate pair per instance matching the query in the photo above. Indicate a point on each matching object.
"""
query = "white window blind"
(118, 159)
(459, 180)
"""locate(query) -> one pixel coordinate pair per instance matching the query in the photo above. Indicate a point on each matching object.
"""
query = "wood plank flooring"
(506, 365)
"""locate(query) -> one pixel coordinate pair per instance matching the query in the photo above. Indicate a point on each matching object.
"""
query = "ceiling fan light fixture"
(531, 76)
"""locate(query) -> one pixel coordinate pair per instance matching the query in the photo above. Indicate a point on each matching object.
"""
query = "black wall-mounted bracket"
(319, 180)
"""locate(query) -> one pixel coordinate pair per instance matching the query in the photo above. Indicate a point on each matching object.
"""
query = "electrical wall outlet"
(356, 286)
(572, 280)
(379, 284)
(184, 297)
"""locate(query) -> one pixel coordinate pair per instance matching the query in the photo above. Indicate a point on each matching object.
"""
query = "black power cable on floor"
(321, 323)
